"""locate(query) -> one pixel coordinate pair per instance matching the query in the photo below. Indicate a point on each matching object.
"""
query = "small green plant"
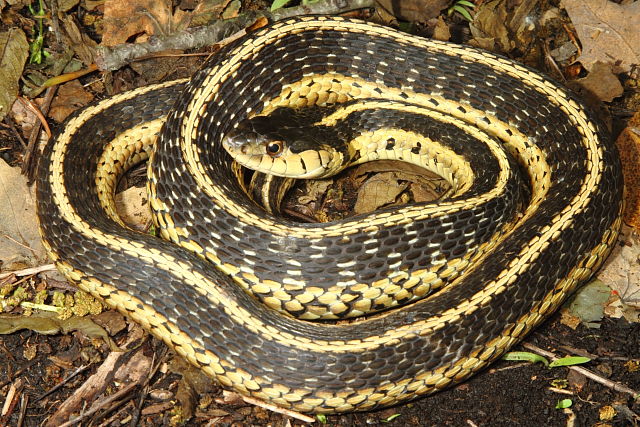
(525, 356)
(569, 361)
(390, 418)
(462, 8)
(36, 48)
(564, 403)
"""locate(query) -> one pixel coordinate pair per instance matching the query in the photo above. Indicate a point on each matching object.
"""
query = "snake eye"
(274, 148)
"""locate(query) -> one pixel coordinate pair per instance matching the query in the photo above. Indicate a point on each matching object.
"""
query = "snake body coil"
(502, 280)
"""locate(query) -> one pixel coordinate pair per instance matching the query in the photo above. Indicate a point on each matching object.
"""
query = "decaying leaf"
(505, 25)
(71, 96)
(83, 45)
(380, 190)
(441, 30)
(133, 208)
(123, 20)
(588, 303)
(414, 10)
(25, 116)
(142, 18)
(20, 243)
(602, 83)
(629, 145)
(622, 272)
(425, 186)
(609, 32)
(14, 51)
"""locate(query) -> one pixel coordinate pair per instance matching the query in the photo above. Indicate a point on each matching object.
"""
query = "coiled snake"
(505, 270)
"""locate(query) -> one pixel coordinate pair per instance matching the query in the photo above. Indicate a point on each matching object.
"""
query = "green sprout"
(462, 7)
(36, 48)
(564, 403)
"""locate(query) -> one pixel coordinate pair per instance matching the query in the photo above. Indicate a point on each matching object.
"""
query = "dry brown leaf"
(629, 145)
(569, 319)
(622, 272)
(14, 51)
(20, 243)
(24, 116)
(414, 10)
(315, 189)
(140, 18)
(70, 97)
(501, 23)
(380, 190)
(67, 5)
(441, 30)
(602, 83)
(135, 370)
(82, 44)
(143, 18)
(232, 10)
(425, 186)
(133, 208)
(608, 32)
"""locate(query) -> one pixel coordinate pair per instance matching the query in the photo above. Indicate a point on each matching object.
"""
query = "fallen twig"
(28, 162)
(63, 382)
(113, 58)
(292, 414)
(101, 404)
(29, 271)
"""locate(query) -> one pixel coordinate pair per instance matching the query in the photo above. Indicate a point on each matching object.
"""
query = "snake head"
(279, 149)
(246, 141)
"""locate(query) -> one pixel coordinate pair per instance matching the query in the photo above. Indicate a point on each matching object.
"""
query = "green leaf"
(321, 417)
(465, 3)
(464, 12)
(569, 361)
(564, 403)
(525, 356)
(390, 418)
(279, 4)
(35, 48)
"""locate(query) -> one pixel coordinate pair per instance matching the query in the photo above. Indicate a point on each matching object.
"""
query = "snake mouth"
(239, 142)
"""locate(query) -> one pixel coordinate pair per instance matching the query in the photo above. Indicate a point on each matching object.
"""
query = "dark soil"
(507, 394)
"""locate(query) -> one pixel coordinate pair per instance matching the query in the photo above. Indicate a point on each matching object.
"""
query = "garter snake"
(495, 294)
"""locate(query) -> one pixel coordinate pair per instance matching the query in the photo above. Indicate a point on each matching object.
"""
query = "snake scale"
(503, 276)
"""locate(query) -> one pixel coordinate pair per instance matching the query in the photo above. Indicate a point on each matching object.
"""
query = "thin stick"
(35, 110)
(101, 404)
(292, 414)
(28, 161)
(29, 271)
(24, 403)
(61, 384)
